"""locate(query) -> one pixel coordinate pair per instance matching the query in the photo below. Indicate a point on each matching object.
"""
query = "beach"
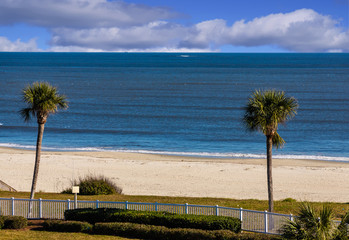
(166, 175)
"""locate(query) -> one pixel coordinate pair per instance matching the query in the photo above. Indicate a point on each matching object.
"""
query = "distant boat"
(185, 56)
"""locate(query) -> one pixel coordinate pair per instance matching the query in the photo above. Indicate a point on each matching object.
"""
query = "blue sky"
(175, 25)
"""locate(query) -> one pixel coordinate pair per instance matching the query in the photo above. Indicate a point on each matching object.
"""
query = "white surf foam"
(191, 154)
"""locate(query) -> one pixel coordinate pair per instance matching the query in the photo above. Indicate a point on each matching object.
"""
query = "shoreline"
(198, 155)
(169, 175)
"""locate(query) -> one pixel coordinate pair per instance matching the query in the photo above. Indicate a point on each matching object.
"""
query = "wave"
(190, 154)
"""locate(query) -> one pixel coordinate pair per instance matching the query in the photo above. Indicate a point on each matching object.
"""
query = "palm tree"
(312, 224)
(264, 111)
(42, 99)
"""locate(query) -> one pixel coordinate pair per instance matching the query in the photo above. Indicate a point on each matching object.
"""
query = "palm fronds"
(42, 99)
(313, 225)
(266, 110)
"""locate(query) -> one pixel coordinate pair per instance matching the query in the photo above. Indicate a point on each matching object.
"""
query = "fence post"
(217, 210)
(97, 203)
(265, 221)
(40, 208)
(13, 205)
(68, 204)
(156, 206)
(186, 208)
(241, 216)
(291, 217)
(126, 205)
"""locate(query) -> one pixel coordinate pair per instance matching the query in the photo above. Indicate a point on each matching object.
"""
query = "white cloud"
(303, 30)
(17, 46)
(79, 13)
(152, 35)
(156, 49)
(101, 25)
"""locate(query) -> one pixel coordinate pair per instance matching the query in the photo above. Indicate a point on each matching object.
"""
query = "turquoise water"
(185, 104)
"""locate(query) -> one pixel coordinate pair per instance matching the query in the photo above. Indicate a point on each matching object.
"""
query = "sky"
(174, 26)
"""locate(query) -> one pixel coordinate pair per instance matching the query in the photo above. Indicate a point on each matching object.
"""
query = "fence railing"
(255, 221)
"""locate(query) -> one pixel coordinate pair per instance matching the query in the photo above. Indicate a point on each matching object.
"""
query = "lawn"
(34, 231)
(42, 235)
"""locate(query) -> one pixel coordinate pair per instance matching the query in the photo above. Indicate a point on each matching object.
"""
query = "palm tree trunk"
(37, 158)
(269, 173)
(41, 127)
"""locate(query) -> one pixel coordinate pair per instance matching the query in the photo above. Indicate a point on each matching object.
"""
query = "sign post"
(75, 190)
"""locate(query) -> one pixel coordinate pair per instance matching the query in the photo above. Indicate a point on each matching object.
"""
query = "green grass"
(286, 207)
(42, 235)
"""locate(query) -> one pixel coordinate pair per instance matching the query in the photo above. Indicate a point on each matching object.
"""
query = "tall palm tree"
(264, 112)
(42, 99)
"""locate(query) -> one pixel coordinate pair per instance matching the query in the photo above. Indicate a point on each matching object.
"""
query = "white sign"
(75, 189)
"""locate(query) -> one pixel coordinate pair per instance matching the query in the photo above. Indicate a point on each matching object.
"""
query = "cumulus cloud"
(102, 25)
(303, 30)
(17, 46)
(79, 13)
(152, 35)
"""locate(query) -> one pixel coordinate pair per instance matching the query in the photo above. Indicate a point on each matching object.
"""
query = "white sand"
(146, 174)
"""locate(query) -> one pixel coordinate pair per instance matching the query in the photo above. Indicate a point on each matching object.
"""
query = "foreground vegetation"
(145, 230)
(286, 206)
(165, 219)
(43, 235)
(95, 185)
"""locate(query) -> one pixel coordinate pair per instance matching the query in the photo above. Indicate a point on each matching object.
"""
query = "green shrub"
(177, 220)
(14, 222)
(155, 218)
(92, 185)
(290, 200)
(2, 221)
(66, 226)
(90, 215)
(143, 231)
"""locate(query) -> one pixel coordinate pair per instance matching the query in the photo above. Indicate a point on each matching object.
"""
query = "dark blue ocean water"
(186, 104)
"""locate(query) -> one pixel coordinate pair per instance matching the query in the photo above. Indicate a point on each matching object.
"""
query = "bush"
(290, 200)
(92, 185)
(159, 232)
(155, 218)
(66, 226)
(90, 215)
(14, 222)
(2, 221)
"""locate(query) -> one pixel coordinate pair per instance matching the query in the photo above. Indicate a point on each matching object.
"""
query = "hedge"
(2, 222)
(156, 218)
(67, 226)
(13, 222)
(90, 215)
(143, 231)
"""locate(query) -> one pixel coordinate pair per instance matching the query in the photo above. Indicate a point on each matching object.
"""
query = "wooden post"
(265, 221)
(241, 216)
(13, 206)
(217, 210)
(40, 208)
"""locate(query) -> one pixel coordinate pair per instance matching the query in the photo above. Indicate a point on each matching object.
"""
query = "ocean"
(174, 103)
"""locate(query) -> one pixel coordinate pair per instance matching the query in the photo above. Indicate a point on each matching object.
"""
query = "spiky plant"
(312, 225)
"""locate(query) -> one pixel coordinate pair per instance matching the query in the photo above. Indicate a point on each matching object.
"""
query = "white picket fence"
(255, 221)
